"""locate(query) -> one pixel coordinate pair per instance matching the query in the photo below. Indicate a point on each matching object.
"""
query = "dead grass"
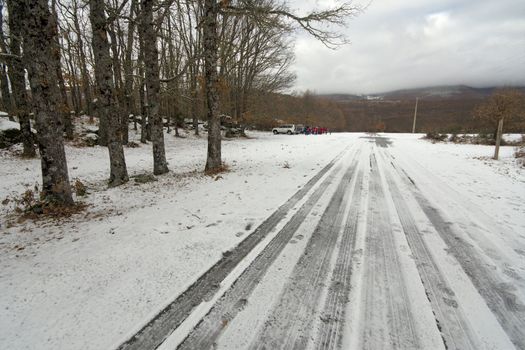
(144, 178)
(31, 205)
(83, 142)
(132, 144)
(45, 211)
(224, 168)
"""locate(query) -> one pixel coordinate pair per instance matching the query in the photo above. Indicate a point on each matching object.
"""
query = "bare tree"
(151, 68)
(211, 45)
(128, 71)
(503, 104)
(108, 103)
(188, 15)
(4, 80)
(18, 78)
(41, 60)
(4, 89)
(75, 11)
(64, 106)
(267, 13)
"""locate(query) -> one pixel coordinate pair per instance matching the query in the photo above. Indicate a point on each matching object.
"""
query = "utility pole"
(415, 116)
(498, 138)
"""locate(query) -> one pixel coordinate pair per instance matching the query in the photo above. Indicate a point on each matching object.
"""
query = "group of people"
(315, 130)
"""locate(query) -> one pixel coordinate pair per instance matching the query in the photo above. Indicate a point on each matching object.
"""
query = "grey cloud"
(403, 44)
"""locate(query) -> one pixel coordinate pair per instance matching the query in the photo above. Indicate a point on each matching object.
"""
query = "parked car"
(284, 129)
(299, 129)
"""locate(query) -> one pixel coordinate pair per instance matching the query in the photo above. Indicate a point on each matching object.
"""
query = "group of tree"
(268, 109)
(157, 59)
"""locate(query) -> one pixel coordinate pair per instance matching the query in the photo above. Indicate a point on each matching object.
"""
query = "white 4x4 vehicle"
(284, 129)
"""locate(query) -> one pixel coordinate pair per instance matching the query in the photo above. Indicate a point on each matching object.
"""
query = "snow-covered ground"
(93, 280)
(89, 281)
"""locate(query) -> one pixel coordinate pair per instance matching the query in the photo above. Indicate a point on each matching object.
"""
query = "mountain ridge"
(430, 92)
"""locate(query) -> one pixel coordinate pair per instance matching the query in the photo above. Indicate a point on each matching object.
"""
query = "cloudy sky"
(397, 44)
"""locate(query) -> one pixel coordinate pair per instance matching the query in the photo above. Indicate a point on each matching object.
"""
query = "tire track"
(498, 295)
(289, 325)
(385, 289)
(333, 315)
(450, 320)
(166, 321)
(233, 301)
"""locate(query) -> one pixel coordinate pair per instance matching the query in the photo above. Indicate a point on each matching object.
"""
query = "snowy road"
(361, 257)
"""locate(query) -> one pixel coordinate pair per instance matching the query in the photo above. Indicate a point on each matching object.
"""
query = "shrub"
(27, 201)
(435, 136)
(31, 205)
(80, 188)
(520, 155)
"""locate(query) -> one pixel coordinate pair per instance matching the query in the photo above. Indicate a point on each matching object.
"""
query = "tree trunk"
(145, 130)
(75, 98)
(6, 96)
(118, 83)
(65, 111)
(210, 38)
(128, 76)
(75, 92)
(107, 104)
(193, 102)
(143, 109)
(18, 78)
(151, 69)
(7, 103)
(143, 100)
(41, 62)
(498, 138)
(88, 99)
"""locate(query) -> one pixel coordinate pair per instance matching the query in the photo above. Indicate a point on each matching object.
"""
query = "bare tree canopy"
(503, 106)
(155, 63)
(318, 23)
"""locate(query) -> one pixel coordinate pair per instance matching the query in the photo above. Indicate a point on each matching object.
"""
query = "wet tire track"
(165, 322)
(206, 333)
(498, 295)
(451, 321)
(385, 288)
(289, 325)
(333, 315)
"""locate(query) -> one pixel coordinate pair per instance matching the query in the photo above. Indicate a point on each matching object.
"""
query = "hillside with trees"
(440, 109)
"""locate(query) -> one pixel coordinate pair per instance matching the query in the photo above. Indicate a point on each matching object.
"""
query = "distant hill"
(441, 108)
(439, 92)
(435, 92)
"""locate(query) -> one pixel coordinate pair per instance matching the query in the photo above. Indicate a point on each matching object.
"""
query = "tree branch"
(271, 15)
